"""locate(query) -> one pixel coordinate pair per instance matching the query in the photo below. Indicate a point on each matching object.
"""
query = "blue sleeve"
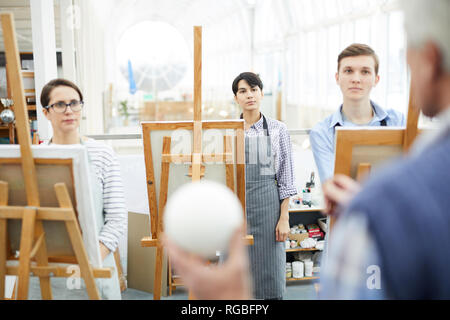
(323, 154)
(352, 269)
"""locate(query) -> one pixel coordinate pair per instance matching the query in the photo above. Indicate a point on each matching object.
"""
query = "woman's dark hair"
(47, 89)
(251, 78)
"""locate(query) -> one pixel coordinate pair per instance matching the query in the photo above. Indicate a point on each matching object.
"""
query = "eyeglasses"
(61, 106)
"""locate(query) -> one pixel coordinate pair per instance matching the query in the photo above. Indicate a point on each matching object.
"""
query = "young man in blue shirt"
(357, 75)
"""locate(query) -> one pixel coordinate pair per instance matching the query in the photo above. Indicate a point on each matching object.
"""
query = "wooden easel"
(346, 140)
(196, 170)
(32, 241)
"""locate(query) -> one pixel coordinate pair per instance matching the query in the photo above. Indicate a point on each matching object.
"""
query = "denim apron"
(267, 256)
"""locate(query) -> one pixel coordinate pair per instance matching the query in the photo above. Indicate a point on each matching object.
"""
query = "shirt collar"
(379, 115)
(258, 124)
(336, 118)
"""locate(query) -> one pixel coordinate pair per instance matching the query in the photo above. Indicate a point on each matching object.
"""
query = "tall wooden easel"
(32, 239)
(196, 170)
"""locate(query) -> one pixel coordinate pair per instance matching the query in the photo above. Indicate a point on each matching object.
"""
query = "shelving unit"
(305, 210)
(301, 279)
(301, 249)
(294, 212)
(9, 130)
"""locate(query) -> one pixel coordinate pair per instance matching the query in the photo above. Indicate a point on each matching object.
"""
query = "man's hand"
(227, 281)
(338, 192)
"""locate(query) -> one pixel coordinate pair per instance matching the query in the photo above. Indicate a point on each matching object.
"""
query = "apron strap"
(265, 126)
(383, 123)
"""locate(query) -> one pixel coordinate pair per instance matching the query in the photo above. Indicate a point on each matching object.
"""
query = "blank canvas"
(69, 165)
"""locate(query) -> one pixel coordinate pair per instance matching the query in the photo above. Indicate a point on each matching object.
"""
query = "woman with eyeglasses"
(62, 103)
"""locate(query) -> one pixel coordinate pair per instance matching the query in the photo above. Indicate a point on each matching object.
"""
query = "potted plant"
(123, 111)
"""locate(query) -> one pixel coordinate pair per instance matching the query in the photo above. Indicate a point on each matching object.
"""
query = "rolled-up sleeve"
(285, 173)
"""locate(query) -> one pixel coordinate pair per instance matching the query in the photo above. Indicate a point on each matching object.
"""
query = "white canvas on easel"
(9, 286)
(212, 140)
(83, 199)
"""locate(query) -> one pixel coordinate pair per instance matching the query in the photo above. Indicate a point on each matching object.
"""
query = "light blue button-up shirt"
(322, 135)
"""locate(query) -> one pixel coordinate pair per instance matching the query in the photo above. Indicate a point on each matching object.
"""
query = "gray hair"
(429, 20)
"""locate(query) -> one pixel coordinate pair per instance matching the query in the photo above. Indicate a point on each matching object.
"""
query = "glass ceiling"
(292, 44)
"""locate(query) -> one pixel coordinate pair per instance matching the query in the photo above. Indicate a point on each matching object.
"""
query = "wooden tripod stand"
(33, 255)
(233, 161)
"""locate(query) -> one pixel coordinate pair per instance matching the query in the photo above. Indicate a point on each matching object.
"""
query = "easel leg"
(80, 253)
(158, 273)
(26, 243)
(42, 261)
(170, 281)
(77, 242)
(164, 185)
(2, 257)
(229, 165)
(3, 239)
(191, 296)
(123, 285)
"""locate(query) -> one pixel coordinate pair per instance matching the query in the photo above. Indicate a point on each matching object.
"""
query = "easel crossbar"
(150, 242)
(187, 158)
(57, 271)
(43, 213)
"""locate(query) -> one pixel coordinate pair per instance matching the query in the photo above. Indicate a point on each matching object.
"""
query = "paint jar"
(308, 268)
(297, 269)
(287, 244)
(288, 270)
(294, 243)
(307, 197)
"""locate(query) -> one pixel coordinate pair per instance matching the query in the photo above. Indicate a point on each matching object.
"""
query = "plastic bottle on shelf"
(287, 244)
(297, 269)
(309, 268)
(307, 192)
(306, 197)
(288, 270)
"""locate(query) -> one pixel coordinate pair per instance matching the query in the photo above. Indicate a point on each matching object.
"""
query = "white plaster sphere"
(201, 217)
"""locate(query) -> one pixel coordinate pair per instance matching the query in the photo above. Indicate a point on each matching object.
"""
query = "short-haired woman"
(62, 103)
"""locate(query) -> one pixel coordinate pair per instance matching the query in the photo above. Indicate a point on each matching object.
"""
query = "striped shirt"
(282, 148)
(107, 170)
